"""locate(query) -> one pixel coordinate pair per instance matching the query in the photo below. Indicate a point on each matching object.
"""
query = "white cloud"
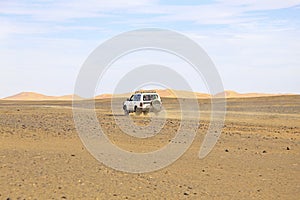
(255, 5)
(52, 15)
(246, 45)
(66, 10)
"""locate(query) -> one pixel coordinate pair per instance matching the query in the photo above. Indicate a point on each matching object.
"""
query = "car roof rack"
(145, 91)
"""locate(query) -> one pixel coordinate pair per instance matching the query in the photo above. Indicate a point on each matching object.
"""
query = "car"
(143, 101)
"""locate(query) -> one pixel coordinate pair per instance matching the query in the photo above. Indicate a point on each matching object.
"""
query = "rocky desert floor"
(256, 157)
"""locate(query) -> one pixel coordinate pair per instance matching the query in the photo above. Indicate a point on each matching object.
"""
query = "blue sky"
(254, 44)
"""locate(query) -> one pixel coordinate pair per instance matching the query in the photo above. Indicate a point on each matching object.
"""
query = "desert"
(149, 99)
(256, 157)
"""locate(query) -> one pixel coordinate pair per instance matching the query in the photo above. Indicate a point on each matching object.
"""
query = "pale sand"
(41, 156)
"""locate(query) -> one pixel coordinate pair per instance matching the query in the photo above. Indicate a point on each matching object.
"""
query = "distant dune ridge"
(165, 93)
(29, 96)
(233, 94)
(32, 96)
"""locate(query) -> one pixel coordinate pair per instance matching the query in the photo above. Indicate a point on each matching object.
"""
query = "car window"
(131, 98)
(154, 96)
(137, 97)
(149, 97)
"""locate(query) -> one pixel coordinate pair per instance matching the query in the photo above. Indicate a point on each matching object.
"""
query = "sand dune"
(107, 96)
(233, 94)
(165, 93)
(169, 93)
(32, 96)
(29, 96)
(103, 96)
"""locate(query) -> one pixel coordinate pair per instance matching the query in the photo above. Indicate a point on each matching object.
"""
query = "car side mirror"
(128, 99)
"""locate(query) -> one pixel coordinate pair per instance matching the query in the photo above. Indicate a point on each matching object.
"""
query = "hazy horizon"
(131, 92)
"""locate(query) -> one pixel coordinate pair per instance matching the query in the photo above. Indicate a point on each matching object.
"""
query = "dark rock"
(185, 193)
(264, 151)
(226, 150)
(287, 148)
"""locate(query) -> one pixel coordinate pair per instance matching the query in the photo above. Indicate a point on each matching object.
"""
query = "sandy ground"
(256, 157)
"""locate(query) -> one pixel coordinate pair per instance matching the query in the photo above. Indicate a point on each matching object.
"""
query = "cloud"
(56, 16)
(244, 38)
(255, 5)
(65, 10)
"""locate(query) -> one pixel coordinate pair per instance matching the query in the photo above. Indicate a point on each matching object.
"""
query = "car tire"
(156, 106)
(126, 112)
(137, 111)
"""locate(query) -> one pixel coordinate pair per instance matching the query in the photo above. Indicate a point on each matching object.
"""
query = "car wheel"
(126, 112)
(156, 106)
(137, 111)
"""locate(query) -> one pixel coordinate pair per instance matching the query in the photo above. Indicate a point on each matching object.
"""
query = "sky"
(254, 44)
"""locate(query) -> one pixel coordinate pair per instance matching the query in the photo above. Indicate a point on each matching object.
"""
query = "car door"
(136, 100)
(131, 103)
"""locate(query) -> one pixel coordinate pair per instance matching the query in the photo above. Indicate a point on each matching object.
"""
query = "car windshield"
(149, 97)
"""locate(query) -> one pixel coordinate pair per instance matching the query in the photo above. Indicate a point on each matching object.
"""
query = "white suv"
(143, 101)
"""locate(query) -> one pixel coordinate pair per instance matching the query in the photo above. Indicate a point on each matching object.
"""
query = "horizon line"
(18, 96)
